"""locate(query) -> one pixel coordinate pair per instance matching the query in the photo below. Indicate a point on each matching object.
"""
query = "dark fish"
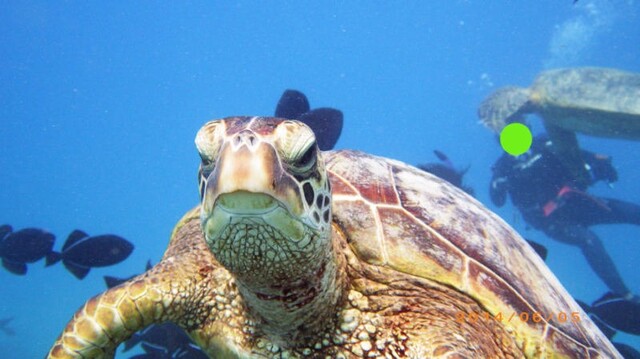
(155, 352)
(627, 351)
(292, 104)
(447, 171)
(4, 328)
(27, 245)
(325, 122)
(165, 340)
(4, 230)
(539, 248)
(604, 328)
(615, 312)
(114, 281)
(81, 252)
(442, 157)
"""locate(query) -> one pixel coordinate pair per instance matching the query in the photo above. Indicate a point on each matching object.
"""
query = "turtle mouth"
(245, 203)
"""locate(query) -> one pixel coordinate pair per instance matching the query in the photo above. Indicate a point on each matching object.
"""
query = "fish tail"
(52, 258)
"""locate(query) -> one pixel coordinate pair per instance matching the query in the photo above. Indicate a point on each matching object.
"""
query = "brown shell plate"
(400, 217)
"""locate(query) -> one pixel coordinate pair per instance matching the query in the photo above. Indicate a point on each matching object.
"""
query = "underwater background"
(100, 103)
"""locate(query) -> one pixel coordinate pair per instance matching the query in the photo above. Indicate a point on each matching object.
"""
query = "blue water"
(100, 103)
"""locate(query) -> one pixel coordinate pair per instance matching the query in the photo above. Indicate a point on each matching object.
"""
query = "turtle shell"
(596, 101)
(399, 217)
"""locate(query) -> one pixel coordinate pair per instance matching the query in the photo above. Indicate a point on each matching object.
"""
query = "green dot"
(515, 139)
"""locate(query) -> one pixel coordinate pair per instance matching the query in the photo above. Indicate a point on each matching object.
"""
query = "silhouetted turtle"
(595, 101)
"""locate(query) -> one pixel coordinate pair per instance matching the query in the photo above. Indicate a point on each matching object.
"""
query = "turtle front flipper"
(565, 146)
(504, 106)
(110, 318)
(178, 289)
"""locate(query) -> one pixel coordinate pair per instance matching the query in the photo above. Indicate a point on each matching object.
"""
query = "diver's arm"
(499, 182)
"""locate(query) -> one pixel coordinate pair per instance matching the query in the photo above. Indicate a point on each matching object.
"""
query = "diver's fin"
(326, 123)
(15, 267)
(77, 270)
(292, 104)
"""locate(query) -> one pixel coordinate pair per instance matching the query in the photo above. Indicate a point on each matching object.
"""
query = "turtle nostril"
(245, 138)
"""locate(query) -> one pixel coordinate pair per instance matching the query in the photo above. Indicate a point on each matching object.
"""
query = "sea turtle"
(294, 252)
(595, 101)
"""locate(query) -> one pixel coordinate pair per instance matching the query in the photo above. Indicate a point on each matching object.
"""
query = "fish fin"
(149, 265)
(292, 104)
(5, 229)
(8, 331)
(111, 282)
(444, 159)
(605, 328)
(78, 271)
(607, 297)
(15, 267)
(427, 167)
(539, 248)
(132, 342)
(74, 237)
(326, 123)
(441, 156)
(52, 258)
(154, 348)
(586, 307)
(627, 351)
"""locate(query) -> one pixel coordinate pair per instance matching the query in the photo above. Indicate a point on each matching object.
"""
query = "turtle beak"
(249, 180)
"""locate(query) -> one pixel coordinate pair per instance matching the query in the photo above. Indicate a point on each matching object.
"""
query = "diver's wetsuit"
(550, 200)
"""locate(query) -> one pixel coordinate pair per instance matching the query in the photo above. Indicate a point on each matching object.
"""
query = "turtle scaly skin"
(297, 253)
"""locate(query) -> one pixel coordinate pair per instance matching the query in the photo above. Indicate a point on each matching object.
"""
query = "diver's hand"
(602, 169)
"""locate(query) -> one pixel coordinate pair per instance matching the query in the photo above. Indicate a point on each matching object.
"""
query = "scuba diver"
(553, 201)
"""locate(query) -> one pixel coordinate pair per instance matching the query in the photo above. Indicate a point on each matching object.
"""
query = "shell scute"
(437, 232)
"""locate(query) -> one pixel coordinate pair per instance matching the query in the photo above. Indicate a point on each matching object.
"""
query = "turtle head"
(265, 198)
(504, 106)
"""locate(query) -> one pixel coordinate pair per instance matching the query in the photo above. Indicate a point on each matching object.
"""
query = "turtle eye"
(208, 142)
(306, 161)
(206, 162)
(297, 147)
